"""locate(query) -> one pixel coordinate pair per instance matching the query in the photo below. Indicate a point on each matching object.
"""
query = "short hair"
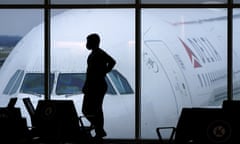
(94, 37)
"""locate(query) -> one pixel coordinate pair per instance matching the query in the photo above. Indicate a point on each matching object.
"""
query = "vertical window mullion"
(230, 50)
(47, 49)
(138, 70)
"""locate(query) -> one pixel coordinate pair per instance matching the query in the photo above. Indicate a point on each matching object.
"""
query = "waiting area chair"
(203, 126)
(56, 122)
(13, 127)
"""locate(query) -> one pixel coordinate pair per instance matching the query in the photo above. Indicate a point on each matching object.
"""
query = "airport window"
(15, 24)
(69, 29)
(236, 55)
(181, 63)
(170, 54)
(236, 1)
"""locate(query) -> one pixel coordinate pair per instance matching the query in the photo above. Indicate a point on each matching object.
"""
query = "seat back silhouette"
(30, 108)
(57, 121)
(202, 126)
(12, 102)
(13, 128)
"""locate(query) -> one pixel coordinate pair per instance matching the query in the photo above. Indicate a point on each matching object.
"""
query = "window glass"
(183, 63)
(236, 54)
(184, 1)
(110, 89)
(93, 1)
(116, 28)
(21, 48)
(22, 2)
(15, 23)
(236, 1)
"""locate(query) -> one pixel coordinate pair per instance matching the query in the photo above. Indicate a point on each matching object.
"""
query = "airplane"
(183, 64)
(1, 61)
(190, 54)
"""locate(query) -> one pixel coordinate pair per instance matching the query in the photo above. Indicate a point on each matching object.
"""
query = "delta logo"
(193, 58)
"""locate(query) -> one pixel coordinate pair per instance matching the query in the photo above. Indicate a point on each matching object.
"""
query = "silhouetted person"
(99, 63)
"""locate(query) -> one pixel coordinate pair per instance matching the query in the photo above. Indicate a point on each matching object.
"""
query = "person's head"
(93, 41)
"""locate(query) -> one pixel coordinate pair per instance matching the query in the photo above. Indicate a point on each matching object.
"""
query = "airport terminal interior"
(176, 79)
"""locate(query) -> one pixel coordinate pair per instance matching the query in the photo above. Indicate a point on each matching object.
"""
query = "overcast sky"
(19, 21)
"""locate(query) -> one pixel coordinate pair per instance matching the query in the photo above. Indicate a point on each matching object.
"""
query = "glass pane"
(236, 1)
(15, 24)
(236, 54)
(21, 52)
(93, 1)
(184, 1)
(69, 55)
(183, 63)
(21, 2)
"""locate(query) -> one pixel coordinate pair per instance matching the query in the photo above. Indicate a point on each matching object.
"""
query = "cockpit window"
(33, 83)
(110, 89)
(120, 82)
(14, 83)
(72, 83)
(67, 83)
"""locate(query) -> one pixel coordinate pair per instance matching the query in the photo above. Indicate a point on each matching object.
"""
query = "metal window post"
(230, 50)
(47, 63)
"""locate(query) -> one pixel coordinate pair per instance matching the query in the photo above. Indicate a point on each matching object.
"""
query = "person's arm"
(110, 63)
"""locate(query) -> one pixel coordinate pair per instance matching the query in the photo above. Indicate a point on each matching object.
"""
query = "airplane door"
(166, 60)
